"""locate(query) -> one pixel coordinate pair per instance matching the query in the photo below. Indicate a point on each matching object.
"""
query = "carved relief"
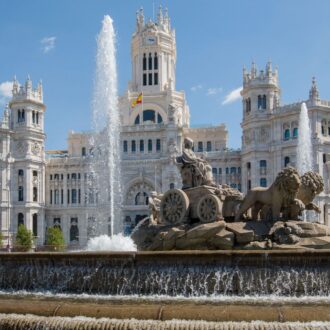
(36, 148)
(138, 193)
(22, 147)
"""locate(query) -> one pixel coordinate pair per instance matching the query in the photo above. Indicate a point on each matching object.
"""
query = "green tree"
(24, 238)
(55, 239)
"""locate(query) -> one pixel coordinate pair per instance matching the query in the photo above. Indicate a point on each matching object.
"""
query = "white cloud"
(47, 44)
(232, 96)
(196, 88)
(214, 90)
(5, 91)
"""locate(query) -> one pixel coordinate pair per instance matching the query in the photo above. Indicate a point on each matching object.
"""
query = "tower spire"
(314, 94)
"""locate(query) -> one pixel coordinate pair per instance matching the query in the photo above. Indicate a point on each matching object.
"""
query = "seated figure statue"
(195, 171)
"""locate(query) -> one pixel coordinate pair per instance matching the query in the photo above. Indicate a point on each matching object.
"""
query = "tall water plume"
(105, 139)
(304, 147)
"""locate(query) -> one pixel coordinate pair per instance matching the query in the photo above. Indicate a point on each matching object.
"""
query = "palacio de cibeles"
(147, 222)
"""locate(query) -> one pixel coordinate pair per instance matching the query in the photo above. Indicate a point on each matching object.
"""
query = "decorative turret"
(262, 77)
(27, 92)
(261, 90)
(314, 94)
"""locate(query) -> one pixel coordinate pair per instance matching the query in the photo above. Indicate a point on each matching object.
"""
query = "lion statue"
(279, 196)
(311, 185)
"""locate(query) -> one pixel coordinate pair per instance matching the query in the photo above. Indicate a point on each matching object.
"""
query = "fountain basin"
(196, 273)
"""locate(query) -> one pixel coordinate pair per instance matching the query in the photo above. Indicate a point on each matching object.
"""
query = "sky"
(55, 41)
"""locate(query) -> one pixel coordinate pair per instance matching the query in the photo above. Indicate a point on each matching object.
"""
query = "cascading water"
(105, 140)
(304, 147)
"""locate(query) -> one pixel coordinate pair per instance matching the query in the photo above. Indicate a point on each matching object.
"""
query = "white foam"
(117, 242)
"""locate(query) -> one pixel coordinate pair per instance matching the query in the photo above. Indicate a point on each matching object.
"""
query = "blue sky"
(54, 40)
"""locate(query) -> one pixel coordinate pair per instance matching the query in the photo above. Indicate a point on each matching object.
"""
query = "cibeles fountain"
(208, 257)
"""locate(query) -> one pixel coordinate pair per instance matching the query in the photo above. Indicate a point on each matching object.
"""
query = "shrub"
(55, 239)
(24, 239)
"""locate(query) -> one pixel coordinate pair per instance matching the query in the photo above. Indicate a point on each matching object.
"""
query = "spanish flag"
(136, 101)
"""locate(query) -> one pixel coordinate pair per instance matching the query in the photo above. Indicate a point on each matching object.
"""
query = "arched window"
(20, 173)
(149, 116)
(20, 219)
(264, 102)
(23, 115)
(20, 194)
(172, 185)
(155, 61)
(159, 119)
(35, 224)
(158, 145)
(286, 161)
(233, 170)
(18, 116)
(259, 102)
(33, 117)
(57, 223)
(286, 134)
(125, 146)
(35, 194)
(133, 146)
(295, 133)
(144, 65)
(248, 105)
(149, 145)
(37, 117)
(141, 145)
(263, 182)
(323, 127)
(150, 62)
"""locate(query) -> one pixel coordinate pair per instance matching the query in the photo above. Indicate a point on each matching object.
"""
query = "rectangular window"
(141, 145)
(144, 79)
(51, 197)
(68, 176)
(220, 170)
(263, 182)
(158, 145)
(208, 146)
(68, 196)
(20, 194)
(62, 196)
(125, 146)
(51, 177)
(79, 196)
(83, 151)
(56, 197)
(150, 62)
(156, 78)
(200, 146)
(149, 145)
(133, 146)
(156, 62)
(74, 196)
(144, 65)
(150, 79)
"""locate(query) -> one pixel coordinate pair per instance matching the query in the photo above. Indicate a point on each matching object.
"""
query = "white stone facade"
(57, 190)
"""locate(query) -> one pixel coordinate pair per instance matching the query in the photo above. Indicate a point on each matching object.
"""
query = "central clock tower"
(153, 54)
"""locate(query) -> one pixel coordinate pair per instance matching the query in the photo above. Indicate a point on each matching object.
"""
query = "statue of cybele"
(195, 171)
